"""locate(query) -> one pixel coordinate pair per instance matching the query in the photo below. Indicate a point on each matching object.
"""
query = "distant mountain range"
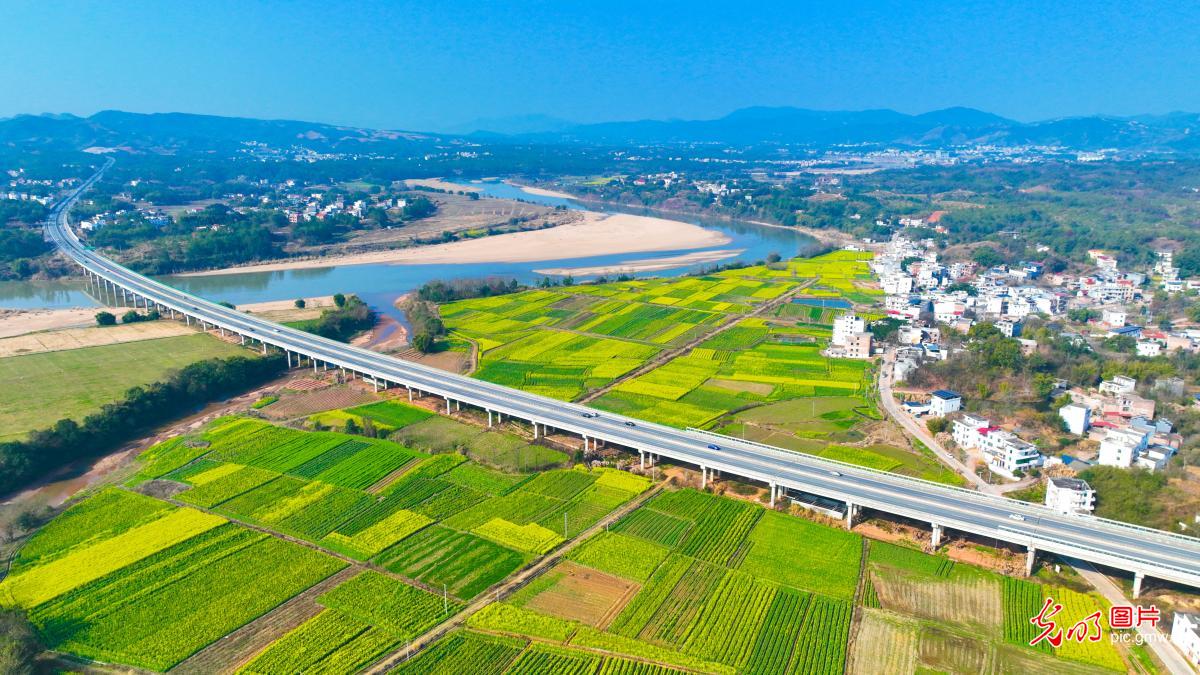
(940, 128)
(182, 132)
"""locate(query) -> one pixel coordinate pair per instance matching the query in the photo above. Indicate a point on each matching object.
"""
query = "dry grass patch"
(973, 602)
(77, 338)
(885, 644)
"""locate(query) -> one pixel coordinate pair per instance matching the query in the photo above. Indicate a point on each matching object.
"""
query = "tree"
(105, 319)
(18, 644)
(352, 426)
(132, 316)
(423, 342)
(773, 258)
(300, 303)
(339, 300)
(987, 256)
(936, 425)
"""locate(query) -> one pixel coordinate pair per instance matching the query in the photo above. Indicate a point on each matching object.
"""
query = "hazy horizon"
(435, 68)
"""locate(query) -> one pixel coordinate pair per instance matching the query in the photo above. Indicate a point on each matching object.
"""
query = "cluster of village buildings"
(931, 297)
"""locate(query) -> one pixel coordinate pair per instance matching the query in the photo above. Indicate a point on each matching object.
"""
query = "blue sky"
(436, 65)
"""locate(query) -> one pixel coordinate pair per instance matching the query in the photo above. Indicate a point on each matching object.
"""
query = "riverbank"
(15, 322)
(647, 265)
(595, 234)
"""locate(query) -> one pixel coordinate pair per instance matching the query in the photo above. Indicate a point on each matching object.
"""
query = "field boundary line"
(506, 587)
(671, 354)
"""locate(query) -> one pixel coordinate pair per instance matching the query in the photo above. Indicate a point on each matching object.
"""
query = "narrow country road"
(919, 432)
(1155, 639)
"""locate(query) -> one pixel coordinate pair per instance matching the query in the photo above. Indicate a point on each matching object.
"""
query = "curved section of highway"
(1143, 551)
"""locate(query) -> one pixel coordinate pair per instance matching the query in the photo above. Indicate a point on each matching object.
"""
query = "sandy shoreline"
(22, 321)
(597, 234)
(541, 192)
(647, 265)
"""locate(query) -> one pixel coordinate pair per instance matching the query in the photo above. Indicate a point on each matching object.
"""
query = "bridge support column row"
(937, 536)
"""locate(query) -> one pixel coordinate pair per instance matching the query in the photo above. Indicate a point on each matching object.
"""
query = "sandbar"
(596, 234)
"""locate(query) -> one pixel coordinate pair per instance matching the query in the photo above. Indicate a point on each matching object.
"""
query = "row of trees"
(140, 409)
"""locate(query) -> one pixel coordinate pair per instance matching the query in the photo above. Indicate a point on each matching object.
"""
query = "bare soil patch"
(584, 594)
(309, 402)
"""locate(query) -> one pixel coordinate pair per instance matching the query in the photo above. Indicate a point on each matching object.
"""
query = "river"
(380, 284)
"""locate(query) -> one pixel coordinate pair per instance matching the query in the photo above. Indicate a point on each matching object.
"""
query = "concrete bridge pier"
(773, 488)
(851, 512)
(1138, 578)
(937, 536)
(489, 419)
(535, 431)
(703, 476)
(1030, 559)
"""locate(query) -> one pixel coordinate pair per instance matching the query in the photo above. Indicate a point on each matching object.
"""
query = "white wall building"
(1121, 447)
(943, 402)
(846, 326)
(1149, 348)
(1077, 417)
(1070, 495)
(1185, 633)
(1004, 452)
(1118, 385)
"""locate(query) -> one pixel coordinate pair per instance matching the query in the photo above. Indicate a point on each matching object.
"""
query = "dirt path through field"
(237, 648)
(666, 356)
(507, 588)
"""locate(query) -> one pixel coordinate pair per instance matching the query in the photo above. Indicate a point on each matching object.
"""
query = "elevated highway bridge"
(1141, 551)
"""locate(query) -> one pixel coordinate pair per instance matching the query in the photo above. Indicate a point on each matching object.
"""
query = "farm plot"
(391, 413)
(540, 660)
(366, 617)
(821, 647)
(885, 644)
(620, 554)
(158, 611)
(773, 649)
(831, 557)
(464, 563)
(728, 626)
(973, 600)
(103, 516)
(329, 642)
(464, 652)
(582, 594)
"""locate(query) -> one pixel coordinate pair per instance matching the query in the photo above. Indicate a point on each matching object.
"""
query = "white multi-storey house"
(1004, 452)
(1070, 495)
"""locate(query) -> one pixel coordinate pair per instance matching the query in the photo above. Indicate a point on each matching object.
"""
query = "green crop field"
(123, 578)
(41, 389)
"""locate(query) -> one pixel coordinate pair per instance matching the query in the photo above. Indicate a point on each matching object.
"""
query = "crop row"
(462, 562)
(654, 526)
(379, 600)
(773, 650)
(464, 652)
(727, 627)
(157, 614)
(821, 646)
(720, 530)
(546, 661)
